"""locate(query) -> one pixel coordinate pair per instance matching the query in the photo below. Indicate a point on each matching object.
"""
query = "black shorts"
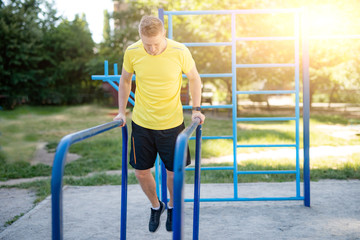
(146, 143)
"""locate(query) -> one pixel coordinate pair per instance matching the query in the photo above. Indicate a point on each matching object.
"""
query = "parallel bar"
(208, 106)
(268, 172)
(247, 199)
(213, 137)
(213, 75)
(207, 44)
(266, 145)
(265, 38)
(179, 179)
(163, 184)
(265, 119)
(197, 181)
(267, 92)
(210, 168)
(297, 109)
(265, 65)
(124, 182)
(334, 37)
(233, 12)
(306, 111)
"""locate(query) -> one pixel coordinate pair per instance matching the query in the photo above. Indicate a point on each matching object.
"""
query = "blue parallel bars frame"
(233, 106)
(58, 172)
(179, 180)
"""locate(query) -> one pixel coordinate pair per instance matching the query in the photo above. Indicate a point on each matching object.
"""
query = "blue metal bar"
(265, 38)
(157, 175)
(297, 98)
(233, 12)
(212, 75)
(196, 218)
(124, 182)
(208, 106)
(115, 69)
(266, 145)
(179, 180)
(267, 92)
(213, 137)
(306, 111)
(234, 101)
(268, 172)
(106, 68)
(210, 168)
(170, 27)
(265, 65)
(58, 171)
(164, 198)
(115, 78)
(207, 44)
(113, 85)
(247, 199)
(334, 37)
(266, 119)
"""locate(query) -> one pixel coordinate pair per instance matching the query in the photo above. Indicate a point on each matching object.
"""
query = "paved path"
(94, 213)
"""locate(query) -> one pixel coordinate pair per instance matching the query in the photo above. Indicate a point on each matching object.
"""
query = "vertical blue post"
(106, 68)
(197, 184)
(124, 178)
(306, 110)
(163, 184)
(115, 69)
(163, 169)
(297, 110)
(157, 176)
(234, 101)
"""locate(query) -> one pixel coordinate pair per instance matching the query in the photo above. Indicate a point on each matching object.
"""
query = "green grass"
(22, 130)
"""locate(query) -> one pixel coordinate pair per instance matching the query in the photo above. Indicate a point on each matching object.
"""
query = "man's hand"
(197, 114)
(121, 116)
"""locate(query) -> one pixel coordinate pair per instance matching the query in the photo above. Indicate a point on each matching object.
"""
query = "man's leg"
(148, 185)
(170, 184)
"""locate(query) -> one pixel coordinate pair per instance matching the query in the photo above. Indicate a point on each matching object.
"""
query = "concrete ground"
(94, 213)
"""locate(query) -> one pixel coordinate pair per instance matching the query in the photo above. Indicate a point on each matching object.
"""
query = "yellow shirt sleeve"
(188, 61)
(127, 65)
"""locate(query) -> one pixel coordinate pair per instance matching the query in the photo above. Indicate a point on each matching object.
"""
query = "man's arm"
(124, 91)
(195, 90)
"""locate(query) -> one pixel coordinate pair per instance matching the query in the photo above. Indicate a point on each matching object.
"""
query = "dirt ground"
(94, 213)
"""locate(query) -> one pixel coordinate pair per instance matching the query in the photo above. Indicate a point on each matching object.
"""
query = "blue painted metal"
(268, 172)
(265, 119)
(267, 92)
(196, 218)
(124, 182)
(265, 65)
(306, 111)
(58, 172)
(213, 137)
(209, 106)
(210, 168)
(265, 145)
(157, 175)
(179, 180)
(164, 198)
(234, 102)
(247, 199)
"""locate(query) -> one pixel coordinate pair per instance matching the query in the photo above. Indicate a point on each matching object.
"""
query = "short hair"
(150, 26)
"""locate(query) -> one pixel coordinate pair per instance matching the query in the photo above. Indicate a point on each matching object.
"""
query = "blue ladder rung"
(268, 172)
(267, 92)
(265, 119)
(207, 44)
(212, 75)
(265, 145)
(265, 38)
(209, 106)
(210, 168)
(246, 199)
(213, 137)
(265, 65)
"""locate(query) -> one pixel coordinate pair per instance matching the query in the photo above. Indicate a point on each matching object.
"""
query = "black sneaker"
(154, 222)
(169, 220)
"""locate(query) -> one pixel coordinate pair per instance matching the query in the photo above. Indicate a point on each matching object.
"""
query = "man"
(157, 117)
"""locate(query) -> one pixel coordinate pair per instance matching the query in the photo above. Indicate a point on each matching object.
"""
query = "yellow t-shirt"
(158, 84)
